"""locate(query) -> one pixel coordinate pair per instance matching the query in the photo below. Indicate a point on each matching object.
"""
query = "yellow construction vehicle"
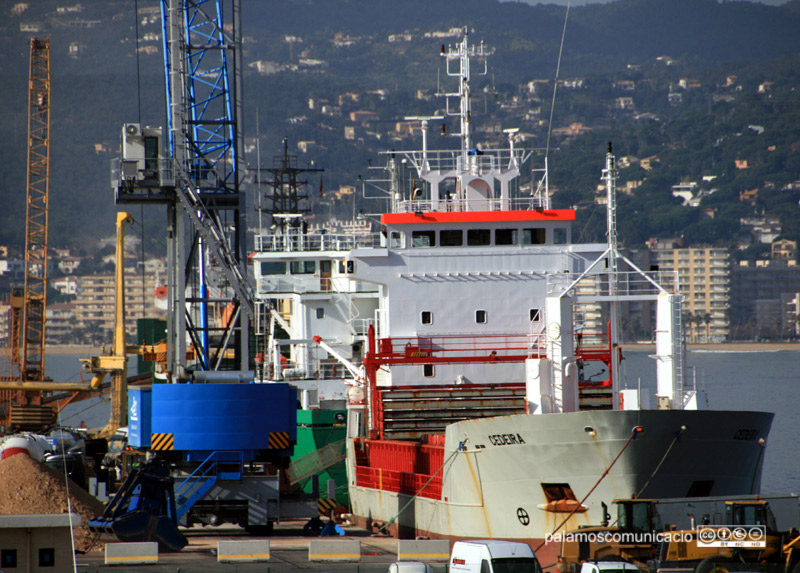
(632, 538)
(749, 536)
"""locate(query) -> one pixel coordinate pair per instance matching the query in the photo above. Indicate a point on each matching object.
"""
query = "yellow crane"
(116, 363)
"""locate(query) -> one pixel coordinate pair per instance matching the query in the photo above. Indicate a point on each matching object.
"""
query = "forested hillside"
(674, 59)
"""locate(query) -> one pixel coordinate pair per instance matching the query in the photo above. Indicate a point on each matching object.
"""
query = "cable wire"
(602, 477)
(66, 485)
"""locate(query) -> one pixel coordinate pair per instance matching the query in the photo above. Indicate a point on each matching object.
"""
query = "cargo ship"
(493, 405)
(476, 346)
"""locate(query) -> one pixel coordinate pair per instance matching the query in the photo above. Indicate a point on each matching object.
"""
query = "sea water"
(762, 381)
(767, 381)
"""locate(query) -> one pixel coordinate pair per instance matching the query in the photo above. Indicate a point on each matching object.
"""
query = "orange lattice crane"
(29, 304)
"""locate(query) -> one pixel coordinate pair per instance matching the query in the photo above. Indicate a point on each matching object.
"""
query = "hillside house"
(784, 250)
(624, 103)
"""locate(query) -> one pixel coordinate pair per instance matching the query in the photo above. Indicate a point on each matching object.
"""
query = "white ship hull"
(494, 488)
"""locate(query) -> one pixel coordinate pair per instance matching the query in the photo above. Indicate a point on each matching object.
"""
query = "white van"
(410, 567)
(608, 567)
(490, 556)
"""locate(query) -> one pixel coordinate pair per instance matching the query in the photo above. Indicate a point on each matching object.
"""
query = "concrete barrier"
(145, 552)
(248, 551)
(423, 550)
(335, 550)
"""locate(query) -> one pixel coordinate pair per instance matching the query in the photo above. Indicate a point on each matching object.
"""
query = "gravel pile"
(27, 486)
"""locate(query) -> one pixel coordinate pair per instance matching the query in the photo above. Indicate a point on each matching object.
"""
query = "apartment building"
(94, 307)
(704, 277)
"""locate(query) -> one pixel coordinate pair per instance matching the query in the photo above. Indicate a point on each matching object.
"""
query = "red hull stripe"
(478, 216)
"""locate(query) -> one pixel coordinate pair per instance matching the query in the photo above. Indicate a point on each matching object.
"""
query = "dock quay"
(288, 551)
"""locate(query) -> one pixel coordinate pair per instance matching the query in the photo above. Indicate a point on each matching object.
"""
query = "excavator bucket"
(143, 510)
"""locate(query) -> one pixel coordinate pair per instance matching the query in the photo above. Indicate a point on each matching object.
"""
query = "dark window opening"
(275, 268)
(536, 236)
(320, 313)
(556, 491)
(479, 237)
(427, 370)
(534, 315)
(480, 316)
(451, 238)
(303, 267)
(700, 488)
(505, 237)
(559, 236)
(47, 557)
(351, 267)
(426, 317)
(8, 558)
(423, 239)
(395, 240)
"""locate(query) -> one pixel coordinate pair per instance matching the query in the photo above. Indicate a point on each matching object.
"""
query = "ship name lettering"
(505, 439)
(745, 435)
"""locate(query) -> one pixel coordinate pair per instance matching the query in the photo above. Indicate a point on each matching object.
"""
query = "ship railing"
(271, 285)
(472, 204)
(476, 162)
(316, 369)
(361, 326)
(271, 243)
(624, 284)
(454, 347)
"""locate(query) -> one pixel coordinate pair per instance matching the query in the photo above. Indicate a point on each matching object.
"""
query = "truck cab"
(492, 556)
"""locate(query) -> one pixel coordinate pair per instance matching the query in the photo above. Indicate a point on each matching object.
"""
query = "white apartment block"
(94, 307)
(704, 278)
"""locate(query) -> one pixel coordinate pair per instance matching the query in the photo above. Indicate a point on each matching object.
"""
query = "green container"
(320, 450)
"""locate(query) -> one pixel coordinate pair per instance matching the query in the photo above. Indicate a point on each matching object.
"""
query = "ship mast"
(463, 53)
(610, 177)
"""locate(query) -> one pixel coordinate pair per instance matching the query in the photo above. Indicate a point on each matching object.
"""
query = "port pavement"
(288, 552)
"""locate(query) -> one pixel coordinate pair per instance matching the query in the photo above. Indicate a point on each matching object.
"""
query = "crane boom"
(33, 327)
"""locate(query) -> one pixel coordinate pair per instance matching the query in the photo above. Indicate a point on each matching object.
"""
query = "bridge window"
(273, 268)
(423, 239)
(426, 317)
(427, 370)
(451, 238)
(505, 237)
(534, 315)
(537, 236)
(480, 316)
(303, 267)
(320, 313)
(559, 236)
(479, 237)
(396, 240)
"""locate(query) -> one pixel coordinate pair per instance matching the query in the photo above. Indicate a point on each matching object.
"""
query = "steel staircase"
(203, 478)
